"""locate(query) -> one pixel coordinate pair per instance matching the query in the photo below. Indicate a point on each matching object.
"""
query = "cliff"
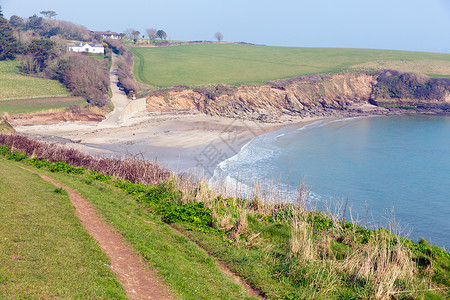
(315, 95)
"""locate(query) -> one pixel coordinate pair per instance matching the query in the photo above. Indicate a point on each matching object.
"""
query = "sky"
(415, 25)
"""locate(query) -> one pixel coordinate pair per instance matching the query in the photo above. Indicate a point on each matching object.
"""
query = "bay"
(376, 165)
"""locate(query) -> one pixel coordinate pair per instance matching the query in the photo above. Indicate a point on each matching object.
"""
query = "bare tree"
(135, 35)
(129, 32)
(219, 36)
(151, 32)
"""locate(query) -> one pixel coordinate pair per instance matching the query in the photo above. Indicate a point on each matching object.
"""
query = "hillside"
(283, 250)
(14, 86)
(236, 64)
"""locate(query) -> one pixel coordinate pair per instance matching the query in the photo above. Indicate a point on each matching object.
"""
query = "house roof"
(84, 45)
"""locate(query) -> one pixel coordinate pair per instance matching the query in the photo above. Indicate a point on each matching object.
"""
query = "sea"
(390, 171)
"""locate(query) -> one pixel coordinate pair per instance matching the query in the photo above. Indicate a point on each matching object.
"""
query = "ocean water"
(377, 165)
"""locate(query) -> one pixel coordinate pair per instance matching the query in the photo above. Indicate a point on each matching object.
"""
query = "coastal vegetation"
(240, 64)
(285, 250)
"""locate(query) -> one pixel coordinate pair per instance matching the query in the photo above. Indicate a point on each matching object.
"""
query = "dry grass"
(133, 168)
(381, 262)
(431, 67)
(384, 263)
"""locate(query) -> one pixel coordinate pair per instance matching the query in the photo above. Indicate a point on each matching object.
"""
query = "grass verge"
(44, 250)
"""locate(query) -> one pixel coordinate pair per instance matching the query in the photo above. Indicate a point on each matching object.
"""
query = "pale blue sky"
(420, 25)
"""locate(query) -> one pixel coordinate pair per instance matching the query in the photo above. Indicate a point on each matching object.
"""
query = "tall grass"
(134, 169)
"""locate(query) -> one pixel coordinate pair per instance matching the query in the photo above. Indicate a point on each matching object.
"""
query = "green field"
(45, 253)
(15, 86)
(36, 105)
(204, 64)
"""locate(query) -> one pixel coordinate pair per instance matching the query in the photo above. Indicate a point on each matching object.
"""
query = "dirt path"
(119, 98)
(139, 283)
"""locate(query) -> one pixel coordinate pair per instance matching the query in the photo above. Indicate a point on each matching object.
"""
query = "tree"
(129, 32)
(9, 46)
(42, 51)
(1, 11)
(135, 34)
(48, 13)
(161, 34)
(17, 22)
(219, 36)
(34, 23)
(151, 32)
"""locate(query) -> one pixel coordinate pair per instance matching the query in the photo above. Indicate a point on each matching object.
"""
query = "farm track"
(139, 282)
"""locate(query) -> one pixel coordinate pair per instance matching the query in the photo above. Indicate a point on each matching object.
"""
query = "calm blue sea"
(377, 164)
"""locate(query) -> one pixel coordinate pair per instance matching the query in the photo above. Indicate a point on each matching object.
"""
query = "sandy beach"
(184, 141)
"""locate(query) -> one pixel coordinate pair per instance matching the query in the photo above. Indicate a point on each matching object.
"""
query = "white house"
(90, 48)
(107, 34)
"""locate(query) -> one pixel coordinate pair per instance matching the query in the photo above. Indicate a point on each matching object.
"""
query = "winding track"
(119, 98)
(139, 283)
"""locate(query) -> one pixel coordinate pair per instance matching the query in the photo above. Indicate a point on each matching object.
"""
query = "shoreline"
(184, 141)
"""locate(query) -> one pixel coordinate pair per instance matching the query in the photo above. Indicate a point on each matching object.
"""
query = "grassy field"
(44, 251)
(235, 64)
(15, 86)
(37, 105)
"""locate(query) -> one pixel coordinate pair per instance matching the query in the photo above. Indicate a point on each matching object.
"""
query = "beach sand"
(184, 141)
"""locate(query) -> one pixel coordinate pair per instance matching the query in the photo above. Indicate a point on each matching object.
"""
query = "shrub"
(63, 167)
(38, 163)
(84, 76)
(17, 156)
(4, 150)
(395, 84)
(98, 176)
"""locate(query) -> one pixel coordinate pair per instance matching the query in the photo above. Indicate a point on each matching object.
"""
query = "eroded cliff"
(318, 95)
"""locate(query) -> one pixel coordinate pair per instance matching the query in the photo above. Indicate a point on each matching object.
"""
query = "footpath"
(139, 283)
(123, 106)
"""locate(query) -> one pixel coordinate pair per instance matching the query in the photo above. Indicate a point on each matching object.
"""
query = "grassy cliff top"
(238, 64)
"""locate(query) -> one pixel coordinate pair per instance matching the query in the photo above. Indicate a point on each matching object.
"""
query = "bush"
(63, 167)
(17, 156)
(38, 163)
(395, 84)
(4, 150)
(84, 76)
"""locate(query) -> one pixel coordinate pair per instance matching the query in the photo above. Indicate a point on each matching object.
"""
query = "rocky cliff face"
(317, 95)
